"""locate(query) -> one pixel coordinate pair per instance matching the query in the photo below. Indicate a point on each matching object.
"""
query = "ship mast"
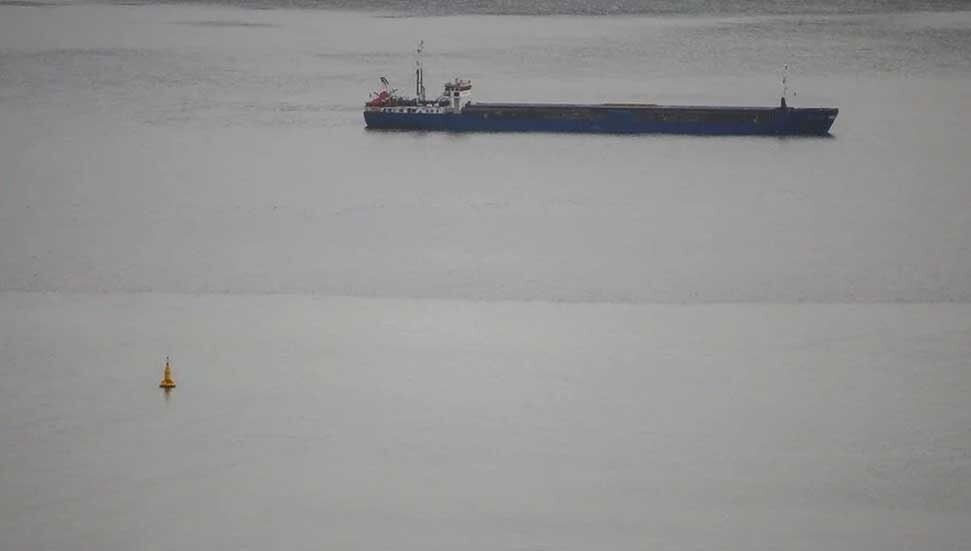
(419, 74)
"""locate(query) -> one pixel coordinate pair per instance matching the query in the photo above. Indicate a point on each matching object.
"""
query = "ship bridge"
(458, 92)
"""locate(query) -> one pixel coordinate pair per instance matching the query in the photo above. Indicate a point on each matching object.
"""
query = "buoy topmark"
(167, 381)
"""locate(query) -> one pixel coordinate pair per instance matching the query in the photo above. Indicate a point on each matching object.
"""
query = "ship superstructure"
(454, 97)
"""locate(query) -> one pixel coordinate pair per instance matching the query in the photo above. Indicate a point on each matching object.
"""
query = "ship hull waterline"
(612, 119)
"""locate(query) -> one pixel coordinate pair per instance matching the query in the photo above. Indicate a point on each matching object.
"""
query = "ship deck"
(628, 106)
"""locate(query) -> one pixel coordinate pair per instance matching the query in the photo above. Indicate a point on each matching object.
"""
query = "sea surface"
(424, 341)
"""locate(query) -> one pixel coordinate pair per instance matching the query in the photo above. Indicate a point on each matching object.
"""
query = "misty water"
(430, 341)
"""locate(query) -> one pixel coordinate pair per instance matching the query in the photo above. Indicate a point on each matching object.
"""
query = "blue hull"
(613, 119)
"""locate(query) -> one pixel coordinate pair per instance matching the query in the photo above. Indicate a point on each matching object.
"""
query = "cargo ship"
(454, 111)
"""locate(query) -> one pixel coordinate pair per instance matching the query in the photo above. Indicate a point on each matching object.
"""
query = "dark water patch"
(367, 57)
(28, 4)
(226, 114)
(218, 24)
(822, 44)
(286, 107)
(92, 53)
(584, 7)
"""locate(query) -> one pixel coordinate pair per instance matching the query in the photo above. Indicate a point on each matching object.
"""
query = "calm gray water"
(485, 342)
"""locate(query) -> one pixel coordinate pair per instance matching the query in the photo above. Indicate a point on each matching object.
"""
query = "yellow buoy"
(167, 381)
